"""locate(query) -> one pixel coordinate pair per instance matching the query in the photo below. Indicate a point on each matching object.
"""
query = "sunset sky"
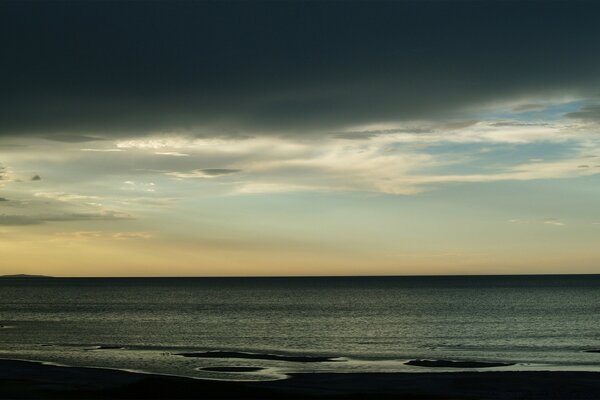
(218, 139)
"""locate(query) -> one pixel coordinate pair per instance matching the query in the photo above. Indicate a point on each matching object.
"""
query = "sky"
(299, 138)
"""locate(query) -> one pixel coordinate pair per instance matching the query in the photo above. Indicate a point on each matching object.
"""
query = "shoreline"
(21, 379)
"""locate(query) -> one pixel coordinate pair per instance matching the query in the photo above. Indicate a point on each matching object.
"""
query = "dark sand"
(255, 356)
(455, 364)
(29, 380)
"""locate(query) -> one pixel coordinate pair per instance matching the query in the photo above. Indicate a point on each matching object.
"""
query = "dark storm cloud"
(229, 68)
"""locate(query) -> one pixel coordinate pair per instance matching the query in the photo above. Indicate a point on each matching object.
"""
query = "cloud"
(545, 221)
(80, 235)
(266, 187)
(95, 235)
(522, 172)
(4, 175)
(204, 173)
(357, 135)
(36, 178)
(3, 199)
(149, 201)
(132, 235)
(91, 216)
(395, 158)
(591, 112)
(46, 207)
(64, 197)
(40, 219)
(218, 171)
(553, 221)
(171, 153)
(491, 131)
(73, 138)
(216, 69)
(455, 125)
(18, 220)
(517, 124)
(148, 187)
(103, 150)
(528, 107)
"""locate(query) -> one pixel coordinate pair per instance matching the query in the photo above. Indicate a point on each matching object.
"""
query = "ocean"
(359, 324)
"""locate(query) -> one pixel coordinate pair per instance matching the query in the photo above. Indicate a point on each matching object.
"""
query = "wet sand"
(455, 364)
(30, 380)
(256, 356)
(232, 369)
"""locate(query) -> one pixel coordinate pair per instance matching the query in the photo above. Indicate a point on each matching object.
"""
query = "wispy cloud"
(171, 153)
(589, 112)
(553, 221)
(139, 186)
(40, 219)
(392, 157)
(545, 221)
(528, 107)
(204, 173)
(102, 235)
(15, 220)
(109, 150)
(64, 197)
(259, 188)
(131, 235)
(73, 138)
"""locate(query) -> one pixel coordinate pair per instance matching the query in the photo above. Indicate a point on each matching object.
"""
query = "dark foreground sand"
(28, 380)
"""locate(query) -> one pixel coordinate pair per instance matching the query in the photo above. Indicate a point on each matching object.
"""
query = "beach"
(33, 380)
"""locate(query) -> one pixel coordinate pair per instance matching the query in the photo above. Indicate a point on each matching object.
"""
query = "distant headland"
(24, 276)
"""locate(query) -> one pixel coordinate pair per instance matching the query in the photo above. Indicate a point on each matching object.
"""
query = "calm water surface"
(371, 324)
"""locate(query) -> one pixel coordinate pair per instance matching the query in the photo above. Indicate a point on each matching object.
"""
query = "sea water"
(365, 324)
